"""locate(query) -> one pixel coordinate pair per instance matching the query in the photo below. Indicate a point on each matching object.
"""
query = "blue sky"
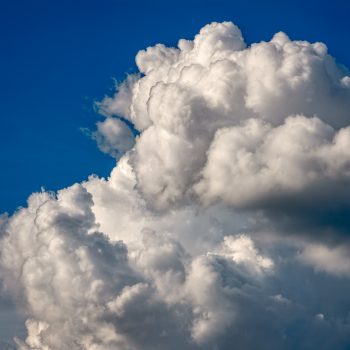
(58, 57)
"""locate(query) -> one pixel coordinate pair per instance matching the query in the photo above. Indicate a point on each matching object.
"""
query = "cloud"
(333, 260)
(299, 165)
(213, 88)
(224, 222)
(113, 137)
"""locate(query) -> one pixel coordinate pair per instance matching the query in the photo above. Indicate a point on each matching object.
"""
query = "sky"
(186, 172)
(60, 57)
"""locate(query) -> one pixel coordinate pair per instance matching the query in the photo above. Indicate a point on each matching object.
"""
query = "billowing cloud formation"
(223, 225)
(192, 102)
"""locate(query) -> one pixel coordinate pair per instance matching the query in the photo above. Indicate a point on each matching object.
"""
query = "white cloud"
(174, 249)
(256, 163)
(332, 260)
(215, 87)
(242, 251)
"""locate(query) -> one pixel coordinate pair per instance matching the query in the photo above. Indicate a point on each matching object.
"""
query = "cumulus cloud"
(259, 165)
(222, 224)
(194, 98)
